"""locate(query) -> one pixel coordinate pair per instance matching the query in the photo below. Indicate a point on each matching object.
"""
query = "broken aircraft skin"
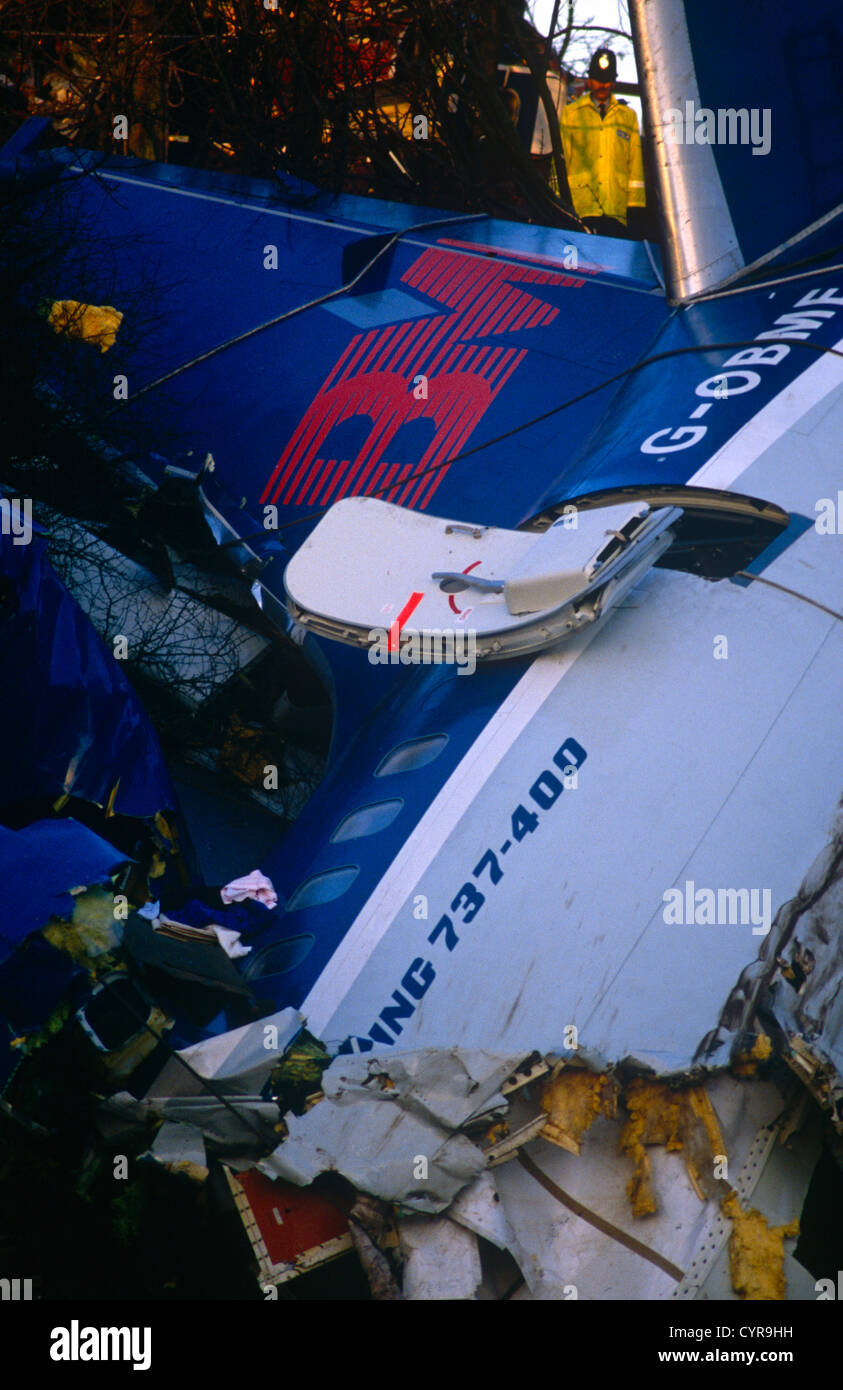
(621, 854)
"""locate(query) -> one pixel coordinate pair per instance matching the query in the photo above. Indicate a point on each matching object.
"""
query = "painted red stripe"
(409, 607)
(498, 306)
(486, 303)
(497, 358)
(399, 342)
(507, 310)
(315, 468)
(440, 342)
(329, 380)
(390, 343)
(319, 478)
(473, 284)
(319, 484)
(381, 337)
(402, 473)
(413, 346)
(354, 401)
(335, 482)
(423, 271)
(442, 287)
(361, 342)
(445, 292)
(299, 447)
(325, 424)
(433, 483)
(376, 477)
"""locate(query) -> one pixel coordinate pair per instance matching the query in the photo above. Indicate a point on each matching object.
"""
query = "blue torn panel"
(71, 723)
(382, 306)
(39, 865)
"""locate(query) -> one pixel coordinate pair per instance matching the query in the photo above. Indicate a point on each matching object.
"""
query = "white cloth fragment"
(151, 911)
(230, 942)
(254, 885)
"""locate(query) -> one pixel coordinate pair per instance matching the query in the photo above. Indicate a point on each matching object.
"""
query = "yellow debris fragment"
(756, 1253)
(746, 1063)
(93, 323)
(572, 1100)
(677, 1119)
(92, 935)
(497, 1131)
(197, 1171)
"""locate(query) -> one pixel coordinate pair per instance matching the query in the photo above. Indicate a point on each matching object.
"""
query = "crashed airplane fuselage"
(610, 853)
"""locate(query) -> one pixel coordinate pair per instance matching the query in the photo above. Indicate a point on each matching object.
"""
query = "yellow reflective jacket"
(602, 158)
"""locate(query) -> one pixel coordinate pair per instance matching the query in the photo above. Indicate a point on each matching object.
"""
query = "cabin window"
(279, 958)
(367, 820)
(323, 888)
(410, 756)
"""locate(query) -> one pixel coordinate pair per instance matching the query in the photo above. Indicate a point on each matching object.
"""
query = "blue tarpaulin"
(38, 867)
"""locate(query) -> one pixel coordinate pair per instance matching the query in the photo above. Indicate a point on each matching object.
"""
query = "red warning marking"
(395, 630)
(467, 570)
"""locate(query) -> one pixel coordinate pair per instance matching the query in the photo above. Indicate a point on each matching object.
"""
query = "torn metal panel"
(237, 1132)
(181, 1149)
(592, 1242)
(772, 1180)
(795, 984)
(238, 1062)
(441, 1259)
(479, 1208)
(391, 1126)
(216, 1087)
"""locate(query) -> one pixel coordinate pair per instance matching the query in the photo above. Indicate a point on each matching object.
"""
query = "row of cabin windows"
(326, 887)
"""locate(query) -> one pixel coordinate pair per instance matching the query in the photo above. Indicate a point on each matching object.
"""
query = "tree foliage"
(320, 90)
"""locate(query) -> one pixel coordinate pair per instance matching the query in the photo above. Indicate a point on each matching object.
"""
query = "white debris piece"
(391, 1125)
(441, 1259)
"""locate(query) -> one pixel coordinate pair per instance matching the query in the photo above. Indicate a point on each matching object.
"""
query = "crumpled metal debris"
(181, 1149)
(393, 1126)
(795, 982)
(218, 1092)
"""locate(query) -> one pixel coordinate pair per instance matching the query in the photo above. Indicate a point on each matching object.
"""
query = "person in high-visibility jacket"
(602, 148)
